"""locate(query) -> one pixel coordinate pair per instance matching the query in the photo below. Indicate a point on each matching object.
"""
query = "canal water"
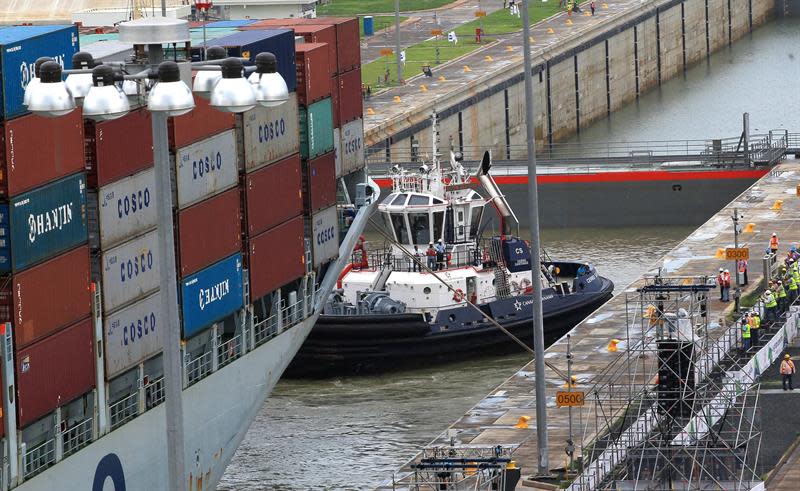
(351, 433)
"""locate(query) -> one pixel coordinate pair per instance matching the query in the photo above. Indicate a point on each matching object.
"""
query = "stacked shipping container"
(78, 205)
(44, 259)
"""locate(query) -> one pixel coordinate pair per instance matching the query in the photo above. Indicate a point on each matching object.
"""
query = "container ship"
(258, 203)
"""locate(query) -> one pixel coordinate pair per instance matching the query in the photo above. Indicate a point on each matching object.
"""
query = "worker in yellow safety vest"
(771, 306)
(755, 324)
(791, 285)
(745, 334)
(782, 301)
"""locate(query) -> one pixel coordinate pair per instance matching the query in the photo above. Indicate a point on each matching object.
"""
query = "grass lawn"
(502, 22)
(357, 7)
(380, 22)
(416, 56)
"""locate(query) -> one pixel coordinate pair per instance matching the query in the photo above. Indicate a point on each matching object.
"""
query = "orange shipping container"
(45, 298)
(209, 231)
(276, 257)
(54, 371)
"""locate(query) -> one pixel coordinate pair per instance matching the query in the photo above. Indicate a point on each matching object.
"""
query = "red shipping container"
(274, 194)
(276, 257)
(209, 231)
(37, 150)
(320, 34)
(313, 72)
(45, 298)
(322, 181)
(335, 101)
(200, 123)
(274, 23)
(348, 41)
(54, 371)
(118, 148)
(350, 100)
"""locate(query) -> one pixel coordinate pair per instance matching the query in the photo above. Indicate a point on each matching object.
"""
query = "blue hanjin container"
(47, 221)
(247, 44)
(369, 25)
(211, 294)
(20, 46)
(230, 23)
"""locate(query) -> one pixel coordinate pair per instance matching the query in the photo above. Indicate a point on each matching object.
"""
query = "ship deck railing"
(39, 458)
(385, 256)
(78, 436)
(123, 410)
(229, 350)
(198, 368)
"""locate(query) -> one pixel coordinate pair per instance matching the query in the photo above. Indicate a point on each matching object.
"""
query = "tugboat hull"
(368, 344)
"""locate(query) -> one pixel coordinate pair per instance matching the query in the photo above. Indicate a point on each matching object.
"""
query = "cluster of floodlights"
(103, 90)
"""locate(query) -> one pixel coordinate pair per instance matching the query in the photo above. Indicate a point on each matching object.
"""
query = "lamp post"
(536, 264)
(105, 99)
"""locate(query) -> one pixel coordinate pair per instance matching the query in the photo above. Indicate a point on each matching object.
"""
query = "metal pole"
(738, 291)
(163, 8)
(173, 374)
(397, 41)
(570, 441)
(536, 265)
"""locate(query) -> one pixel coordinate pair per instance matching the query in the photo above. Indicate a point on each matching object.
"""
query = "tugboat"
(406, 304)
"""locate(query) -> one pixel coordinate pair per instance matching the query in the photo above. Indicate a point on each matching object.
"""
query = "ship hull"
(350, 345)
(218, 411)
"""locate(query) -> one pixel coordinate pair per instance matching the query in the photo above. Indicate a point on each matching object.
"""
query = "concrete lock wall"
(578, 81)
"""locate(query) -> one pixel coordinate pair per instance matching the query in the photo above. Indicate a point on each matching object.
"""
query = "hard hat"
(768, 292)
(430, 243)
(774, 235)
(780, 282)
(787, 356)
(721, 270)
(727, 271)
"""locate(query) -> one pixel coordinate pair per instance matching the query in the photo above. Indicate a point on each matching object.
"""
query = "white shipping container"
(133, 334)
(325, 235)
(337, 151)
(206, 168)
(271, 133)
(130, 271)
(352, 147)
(127, 208)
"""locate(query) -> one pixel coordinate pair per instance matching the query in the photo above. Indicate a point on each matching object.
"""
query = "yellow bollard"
(587, 14)
(522, 423)
(720, 253)
(441, 78)
(605, 5)
(550, 30)
(467, 69)
(569, 22)
(573, 382)
(531, 39)
(370, 111)
(397, 99)
(488, 58)
(778, 205)
(749, 228)
(612, 345)
(509, 48)
(423, 88)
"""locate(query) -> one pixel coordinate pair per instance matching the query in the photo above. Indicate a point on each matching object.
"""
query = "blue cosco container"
(46, 221)
(19, 48)
(247, 44)
(211, 294)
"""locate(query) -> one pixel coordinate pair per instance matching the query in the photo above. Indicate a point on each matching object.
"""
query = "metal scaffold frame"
(678, 409)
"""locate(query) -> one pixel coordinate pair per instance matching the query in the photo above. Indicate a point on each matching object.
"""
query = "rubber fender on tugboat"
(373, 326)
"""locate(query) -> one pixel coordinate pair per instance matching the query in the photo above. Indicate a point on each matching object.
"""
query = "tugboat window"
(426, 290)
(420, 229)
(475, 221)
(437, 201)
(438, 224)
(399, 225)
(418, 200)
(400, 200)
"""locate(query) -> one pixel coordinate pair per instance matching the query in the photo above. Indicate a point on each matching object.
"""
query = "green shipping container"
(316, 129)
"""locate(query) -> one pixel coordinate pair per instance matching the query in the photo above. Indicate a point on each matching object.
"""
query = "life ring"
(458, 295)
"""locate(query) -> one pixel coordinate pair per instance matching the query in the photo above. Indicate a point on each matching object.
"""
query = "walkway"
(492, 420)
(420, 24)
(487, 63)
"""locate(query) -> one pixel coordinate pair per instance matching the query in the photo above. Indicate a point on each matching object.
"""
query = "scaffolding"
(462, 467)
(677, 410)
